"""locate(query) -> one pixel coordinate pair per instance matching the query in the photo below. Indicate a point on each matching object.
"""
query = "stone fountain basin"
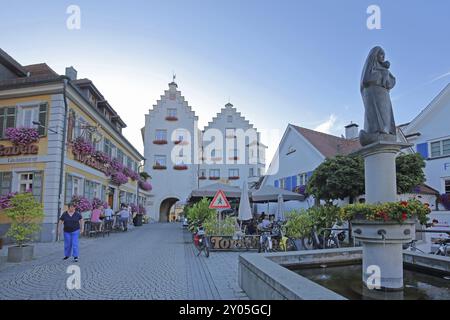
(383, 231)
(267, 277)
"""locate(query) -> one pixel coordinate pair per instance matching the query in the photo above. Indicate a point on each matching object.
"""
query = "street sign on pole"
(220, 201)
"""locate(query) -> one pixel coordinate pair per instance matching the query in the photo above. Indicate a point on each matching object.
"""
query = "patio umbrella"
(280, 208)
(245, 212)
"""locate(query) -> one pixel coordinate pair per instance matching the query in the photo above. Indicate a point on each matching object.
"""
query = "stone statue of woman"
(376, 82)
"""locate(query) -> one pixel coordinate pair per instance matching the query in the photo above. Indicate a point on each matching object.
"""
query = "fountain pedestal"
(382, 241)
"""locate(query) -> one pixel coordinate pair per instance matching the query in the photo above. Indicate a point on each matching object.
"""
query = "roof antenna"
(174, 76)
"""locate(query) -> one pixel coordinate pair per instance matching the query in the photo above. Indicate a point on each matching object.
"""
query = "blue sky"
(278, 62)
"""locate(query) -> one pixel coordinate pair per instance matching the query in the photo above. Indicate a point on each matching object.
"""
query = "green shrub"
(226, 227)
(25, 213)
(201, 212)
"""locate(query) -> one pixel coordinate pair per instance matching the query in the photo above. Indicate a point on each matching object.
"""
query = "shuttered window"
(69, 186)
(7, 119)
(5, 183)
(38, 185)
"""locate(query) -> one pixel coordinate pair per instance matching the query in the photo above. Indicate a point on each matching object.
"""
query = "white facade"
(295, 160)
(430, 133)
(181, 158)
(231, 150)
(171, 119)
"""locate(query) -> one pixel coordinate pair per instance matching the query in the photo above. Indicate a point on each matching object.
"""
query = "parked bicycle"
(265, 240)
(411, 246)
(201, 241)
(443, 247)
(327, 238)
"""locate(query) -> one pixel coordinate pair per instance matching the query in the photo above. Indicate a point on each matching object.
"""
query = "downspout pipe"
(63, 154)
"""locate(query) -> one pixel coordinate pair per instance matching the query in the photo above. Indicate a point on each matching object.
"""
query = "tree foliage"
(201, 212)
(25, 213)
(338, 178)
(409, 172)
(343, 176)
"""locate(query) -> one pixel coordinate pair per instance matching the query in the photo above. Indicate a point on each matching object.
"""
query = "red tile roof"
(328, 144)
(40, 69)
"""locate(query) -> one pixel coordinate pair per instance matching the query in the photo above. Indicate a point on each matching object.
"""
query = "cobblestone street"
(156, 261)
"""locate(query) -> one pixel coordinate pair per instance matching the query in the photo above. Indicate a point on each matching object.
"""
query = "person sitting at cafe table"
(95, 218)
(108, 212)
(124, 214)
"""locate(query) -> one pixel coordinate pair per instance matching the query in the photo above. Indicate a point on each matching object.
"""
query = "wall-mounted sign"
(8, 151)
(245, 243)
(91, 162)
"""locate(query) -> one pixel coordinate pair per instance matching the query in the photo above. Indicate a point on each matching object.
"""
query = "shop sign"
(9, 151)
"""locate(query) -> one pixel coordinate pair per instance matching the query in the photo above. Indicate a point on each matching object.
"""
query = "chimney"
(71, 73)
(351, 131)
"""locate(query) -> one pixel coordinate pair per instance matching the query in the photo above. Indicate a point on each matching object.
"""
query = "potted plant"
(383, 229)
(25, 213)
(144, 185)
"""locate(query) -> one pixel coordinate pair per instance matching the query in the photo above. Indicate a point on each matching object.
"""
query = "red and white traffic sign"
(220, 201)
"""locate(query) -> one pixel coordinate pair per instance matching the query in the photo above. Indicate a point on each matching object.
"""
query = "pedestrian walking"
(73, 225)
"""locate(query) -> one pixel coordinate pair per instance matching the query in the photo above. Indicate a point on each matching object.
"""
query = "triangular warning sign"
(220, 201)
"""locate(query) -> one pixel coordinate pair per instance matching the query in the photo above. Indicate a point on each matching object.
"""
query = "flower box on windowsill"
(216, 159)
(233, 158)
(159, 141)
(233, 178)
(180, 167)
(158, 167)
(169, 118)
(181, 142)
(214, 178)
(202, 178)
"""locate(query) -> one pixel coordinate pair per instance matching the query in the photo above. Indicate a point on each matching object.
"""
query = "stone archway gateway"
(164, 208)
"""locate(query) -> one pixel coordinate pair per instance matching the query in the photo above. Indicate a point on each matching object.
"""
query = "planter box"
(383, 231)
(159, 167)
(214, 178)
(20, 254)
(159, 141)
(180, 167)
(202, 178)
(171, 118)
(233, 178)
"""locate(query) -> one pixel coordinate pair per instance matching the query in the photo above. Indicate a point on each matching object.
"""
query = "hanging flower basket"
(96, 202)
(22, 136)
(159, 141)
(119, 178)
(5, 200)
(81, 204)
(144, 185)
(116, 165)
(180, 167)
(83, 147)
(181, 142)
(168, 118)
(101, 157)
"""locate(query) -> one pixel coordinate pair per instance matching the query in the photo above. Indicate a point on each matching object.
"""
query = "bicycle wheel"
(290, 245)
(308, 243)
(207, 251)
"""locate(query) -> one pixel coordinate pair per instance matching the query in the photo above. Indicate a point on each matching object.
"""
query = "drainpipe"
(63, 153)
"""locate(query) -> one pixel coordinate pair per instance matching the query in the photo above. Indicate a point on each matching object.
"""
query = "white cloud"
(440, 77)
(328, 125)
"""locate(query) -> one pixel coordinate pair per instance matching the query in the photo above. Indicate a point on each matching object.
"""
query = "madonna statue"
(376, 82)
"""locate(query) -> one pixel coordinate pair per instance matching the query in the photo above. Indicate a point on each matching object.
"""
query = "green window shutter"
(37, 185)
(5, 182)
(10, 117)
(2, 122)
(42, 119)
(69, 185)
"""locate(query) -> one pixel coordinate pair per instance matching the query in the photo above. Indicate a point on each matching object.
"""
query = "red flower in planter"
(180, 167)
(214, 178)
(159, 141)
(158, 167)
(233, 178)
(404, 216)
(169, 118)
(404, 203)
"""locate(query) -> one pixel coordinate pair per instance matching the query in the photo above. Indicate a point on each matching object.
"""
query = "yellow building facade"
(64, 110)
